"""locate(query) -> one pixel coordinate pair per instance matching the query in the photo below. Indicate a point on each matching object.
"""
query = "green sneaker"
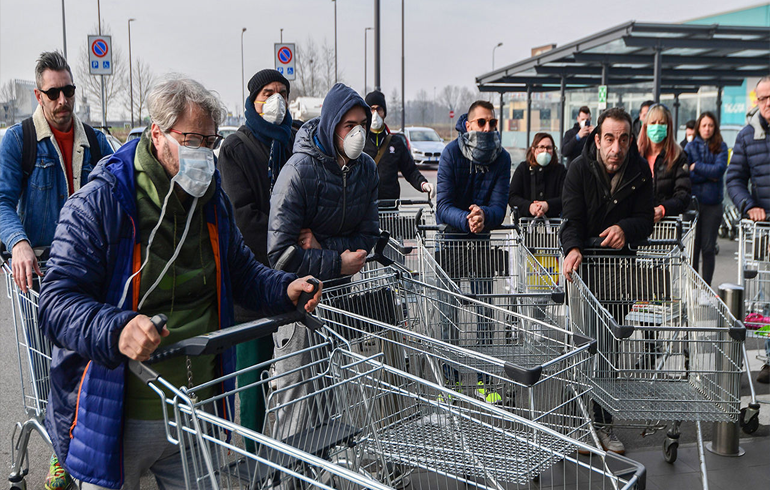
(488, 395)
(58, 479)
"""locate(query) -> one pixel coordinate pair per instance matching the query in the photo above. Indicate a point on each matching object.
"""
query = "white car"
(225, 131)
(425, 144)
(135, 133)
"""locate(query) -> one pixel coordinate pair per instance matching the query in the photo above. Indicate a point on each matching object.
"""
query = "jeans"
(706, 239)
(145, 448)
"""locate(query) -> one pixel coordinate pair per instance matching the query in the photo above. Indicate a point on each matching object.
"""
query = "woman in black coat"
(668, 163)
(536, 184)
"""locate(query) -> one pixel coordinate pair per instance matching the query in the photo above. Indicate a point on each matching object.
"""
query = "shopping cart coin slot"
(558, 295)
(581, 340)
(738, 331)
(621, 331)
(750, 273)
(525, 376)
(144, 373)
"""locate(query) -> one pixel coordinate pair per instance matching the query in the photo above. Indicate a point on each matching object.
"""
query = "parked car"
(113, 141)
(225, 131)
(135, 133)
(305, 108)
(425, 144)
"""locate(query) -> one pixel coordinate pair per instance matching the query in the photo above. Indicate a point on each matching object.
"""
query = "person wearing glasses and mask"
(43, 160)
(474, 174)
(537, 182)
(391, 154)
(751, 163)
(152, 233)
(667, 161)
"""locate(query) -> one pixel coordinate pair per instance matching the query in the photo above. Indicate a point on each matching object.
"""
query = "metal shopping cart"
(34, 361)
(754, 276)
(401, 219)
(541, 237)
(668, 347)
(526, 365)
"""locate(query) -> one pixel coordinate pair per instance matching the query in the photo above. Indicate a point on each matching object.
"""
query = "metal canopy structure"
(675, 58)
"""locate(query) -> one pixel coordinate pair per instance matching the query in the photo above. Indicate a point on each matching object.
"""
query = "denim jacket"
(31, 214)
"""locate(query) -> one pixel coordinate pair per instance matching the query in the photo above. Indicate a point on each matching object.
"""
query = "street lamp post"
(493, 54)
(131, 73)
(403, 96)
(335, 40)
(64, 29)
(281, 35)
(366, 53)
(243, 72)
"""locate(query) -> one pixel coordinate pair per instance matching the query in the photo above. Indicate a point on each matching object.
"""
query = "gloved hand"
(429, 189)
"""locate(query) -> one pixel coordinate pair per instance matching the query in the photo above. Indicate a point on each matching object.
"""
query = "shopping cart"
(526, 365)
(306, 442)
(754, 276)
(401, 219)
(34, 361)
(668, 347)
(541, 237)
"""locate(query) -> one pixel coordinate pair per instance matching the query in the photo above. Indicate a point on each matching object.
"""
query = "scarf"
(277, 136)
(480, 148)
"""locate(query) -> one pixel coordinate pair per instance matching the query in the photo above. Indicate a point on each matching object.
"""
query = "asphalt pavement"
(750, 471)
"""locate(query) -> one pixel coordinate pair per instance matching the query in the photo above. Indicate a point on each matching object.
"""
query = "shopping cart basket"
(668, 347)
(34, 361)
(754, 276)
(401, 219)
(541, 237)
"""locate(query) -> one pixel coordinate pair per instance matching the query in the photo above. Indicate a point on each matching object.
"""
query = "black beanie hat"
(377, 98)
(262, 78)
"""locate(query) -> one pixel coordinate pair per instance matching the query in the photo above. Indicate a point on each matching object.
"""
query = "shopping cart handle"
(738, 331)
(378, 255)
(395, 203)
(41, 253)
(621, 331)
(634, 469)
(581, 340)
(525, 376)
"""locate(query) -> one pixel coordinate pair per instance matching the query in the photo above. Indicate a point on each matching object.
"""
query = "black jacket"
(588, 208)
(537, 184)
(245, 181)
(397, 157)
(672, 186)
(572, 147)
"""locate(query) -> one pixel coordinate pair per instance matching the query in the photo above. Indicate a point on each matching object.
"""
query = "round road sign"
(99, 48)
(451, 114)
(284, 55)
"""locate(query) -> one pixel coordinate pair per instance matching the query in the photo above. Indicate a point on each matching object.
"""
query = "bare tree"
(395, 108)
(423, 104)
(115, 85)
(307, 69)
(143, 81)
(449, 97)
(327, 60)
(8, 100)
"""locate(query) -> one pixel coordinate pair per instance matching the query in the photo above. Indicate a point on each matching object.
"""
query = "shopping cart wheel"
(749, 426)
(19, 485)
(670, 449)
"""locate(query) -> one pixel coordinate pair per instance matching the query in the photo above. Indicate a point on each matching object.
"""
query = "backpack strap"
(28, 149)
(96, 150)
(381, 151)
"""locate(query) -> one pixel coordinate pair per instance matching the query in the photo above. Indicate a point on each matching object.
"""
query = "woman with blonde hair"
(668, 163)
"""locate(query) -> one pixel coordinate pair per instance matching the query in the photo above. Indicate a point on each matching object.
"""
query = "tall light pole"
(243, 73)
(366, 53)
(63, 29)
(131, 73)
(281, 35)
(335, 40)
(403, 96)
(377, 85)
(493, 54)
(101, 77)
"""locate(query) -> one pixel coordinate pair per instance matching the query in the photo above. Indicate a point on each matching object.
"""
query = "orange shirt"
(66, 142)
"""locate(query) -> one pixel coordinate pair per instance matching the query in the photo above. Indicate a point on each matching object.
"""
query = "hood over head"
(338, 101)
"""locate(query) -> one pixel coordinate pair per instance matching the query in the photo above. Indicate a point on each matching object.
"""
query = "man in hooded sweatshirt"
(391, 154)
(608, 193)
(323, 218)
(249, 162)
(474, 174)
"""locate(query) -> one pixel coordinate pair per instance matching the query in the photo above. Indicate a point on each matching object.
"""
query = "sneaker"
(58, 478)
(610, 441)
(764, 375)
(488, 395)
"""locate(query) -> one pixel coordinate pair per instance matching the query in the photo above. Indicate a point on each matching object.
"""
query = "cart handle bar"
(217, 342)
(393, 204)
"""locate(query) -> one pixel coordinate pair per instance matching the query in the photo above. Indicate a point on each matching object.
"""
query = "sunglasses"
(482, 122)
(53, 93)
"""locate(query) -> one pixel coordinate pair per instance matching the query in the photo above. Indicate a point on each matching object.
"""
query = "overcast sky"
(447, 41)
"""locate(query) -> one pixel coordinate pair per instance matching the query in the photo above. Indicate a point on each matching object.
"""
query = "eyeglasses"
(53, 93)
(482, 122)
(763, 99)
(544, 148)
(196, 140)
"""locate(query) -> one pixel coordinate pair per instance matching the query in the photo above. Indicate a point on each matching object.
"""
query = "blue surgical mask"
(657, 132)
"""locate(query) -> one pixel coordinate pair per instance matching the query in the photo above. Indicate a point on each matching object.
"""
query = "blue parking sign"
(95, 65)
(280, 70)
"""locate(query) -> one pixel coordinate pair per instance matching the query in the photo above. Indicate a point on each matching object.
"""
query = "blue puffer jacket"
(93, 253)
(339, 205)
(751, 161)
(706, 178)
(461, 183)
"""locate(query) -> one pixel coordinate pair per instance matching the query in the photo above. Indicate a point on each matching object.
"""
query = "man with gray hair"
(153, 214)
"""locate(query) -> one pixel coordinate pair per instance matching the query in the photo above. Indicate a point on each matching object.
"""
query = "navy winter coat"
(751, 161)
(462, 183)
(706, 178)
(92, 255)
(339, 205)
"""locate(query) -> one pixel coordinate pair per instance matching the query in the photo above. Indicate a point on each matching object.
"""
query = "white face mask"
(196, 168)
(690, 137)
(377, 121)
(274, 109)
(354, 141)
(543, 159)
